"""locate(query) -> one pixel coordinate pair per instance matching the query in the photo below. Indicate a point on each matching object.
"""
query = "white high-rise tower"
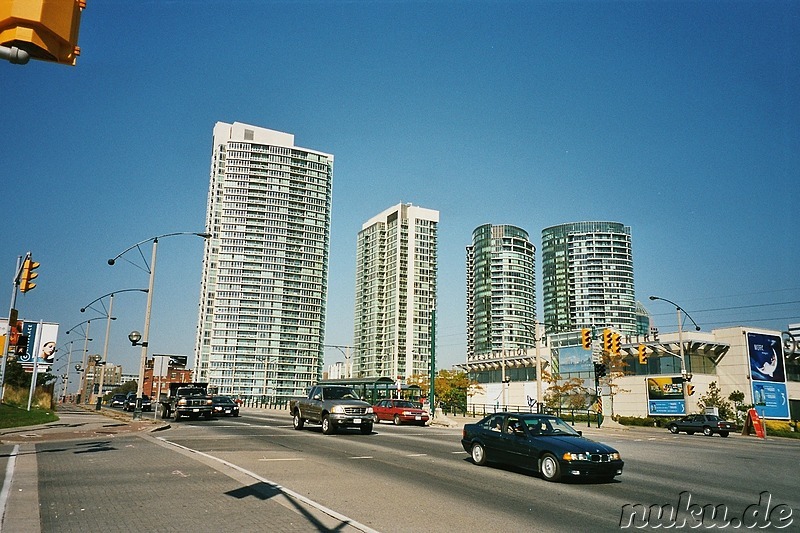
(265, 269)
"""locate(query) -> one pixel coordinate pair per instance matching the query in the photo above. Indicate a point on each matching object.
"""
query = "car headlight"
(337, 409)
(614, 456)
(369, 411)
(182, 401)
(569, 456)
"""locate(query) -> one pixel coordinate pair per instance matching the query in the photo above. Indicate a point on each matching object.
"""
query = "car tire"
(366, 429)
(707, 431)
(673, 429)
(478, 453)
(396, 420)
(549, 467)
(297, 421)
(327, 427)
(723, 433)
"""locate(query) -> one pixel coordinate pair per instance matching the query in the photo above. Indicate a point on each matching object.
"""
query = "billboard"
(665, 396)
(768, 375)
(574, 359)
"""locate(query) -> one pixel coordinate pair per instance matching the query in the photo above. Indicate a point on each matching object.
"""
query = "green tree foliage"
(452, 388)
(713, 398)
(17, 377)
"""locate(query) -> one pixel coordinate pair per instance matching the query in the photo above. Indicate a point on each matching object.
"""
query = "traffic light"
(689, 389)
(28, 274)
(616, 340)
(607, 340)
(586, 338)
(599, 370)
(642, 354)
(45, 29)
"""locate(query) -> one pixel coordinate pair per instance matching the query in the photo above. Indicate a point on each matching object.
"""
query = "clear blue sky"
(678, 119)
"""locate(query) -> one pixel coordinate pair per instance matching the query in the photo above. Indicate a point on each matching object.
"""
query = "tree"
(564, 394)
(452, 388)
(713, 398)
(616, 368)
(737, 397)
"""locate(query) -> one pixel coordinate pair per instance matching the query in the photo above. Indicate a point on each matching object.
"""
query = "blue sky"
(678, 119)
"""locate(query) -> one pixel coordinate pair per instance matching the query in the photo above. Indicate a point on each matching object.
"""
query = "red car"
(400, 411)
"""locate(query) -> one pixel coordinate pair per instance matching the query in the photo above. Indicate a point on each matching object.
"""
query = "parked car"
(707, 424)
(400, 412)
(118, 400)
(130, 402)
(224, 406)
(542, 443)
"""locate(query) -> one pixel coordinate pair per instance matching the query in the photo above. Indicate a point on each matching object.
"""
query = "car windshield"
(223, 399)
(548, 426)
(405, 405)
(339, 393)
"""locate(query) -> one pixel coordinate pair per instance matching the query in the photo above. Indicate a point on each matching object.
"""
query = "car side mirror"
(316, 397)
(580, 433)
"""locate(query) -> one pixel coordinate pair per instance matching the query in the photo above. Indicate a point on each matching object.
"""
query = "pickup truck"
(187, 399)
(332, 406)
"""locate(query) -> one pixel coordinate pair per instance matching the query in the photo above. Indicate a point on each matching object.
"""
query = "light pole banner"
(47, 347)
(768, 375)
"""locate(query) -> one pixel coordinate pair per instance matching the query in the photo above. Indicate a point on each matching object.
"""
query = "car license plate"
(418, 417)
(356, 421)
(227, 410)
(195, 410)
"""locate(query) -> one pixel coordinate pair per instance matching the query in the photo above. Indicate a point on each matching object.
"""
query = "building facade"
(501, 290)
(264, 286)
(587, 277)
(396, 269)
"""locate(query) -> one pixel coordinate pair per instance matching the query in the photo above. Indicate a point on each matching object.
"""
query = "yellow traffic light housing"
(28, 274)
(616, 343)
(642, 354)
(45, 29)
(586, 338)
(607, 340)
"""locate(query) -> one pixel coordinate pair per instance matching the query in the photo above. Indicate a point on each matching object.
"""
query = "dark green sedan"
(542, 443)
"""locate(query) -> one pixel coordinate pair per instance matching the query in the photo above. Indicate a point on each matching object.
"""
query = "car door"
(517, 444)
(380, 409)
(492, 437)
(313, 409)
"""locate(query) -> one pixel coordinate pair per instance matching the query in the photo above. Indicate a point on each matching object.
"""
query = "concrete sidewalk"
(93, 472)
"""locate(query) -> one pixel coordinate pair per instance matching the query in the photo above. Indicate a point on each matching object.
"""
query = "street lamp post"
(151, 269)
(109, 318)
(84, 363)
(679, 310)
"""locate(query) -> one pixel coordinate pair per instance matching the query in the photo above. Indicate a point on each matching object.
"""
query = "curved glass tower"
(501, 290)
(587, 276)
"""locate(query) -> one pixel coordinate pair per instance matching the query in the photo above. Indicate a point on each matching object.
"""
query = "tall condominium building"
(501, 290)
(265, 268)
(587, 276)
(396, 265)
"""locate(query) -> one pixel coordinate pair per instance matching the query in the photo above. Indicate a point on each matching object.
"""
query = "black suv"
(118, 400)
(130, 402)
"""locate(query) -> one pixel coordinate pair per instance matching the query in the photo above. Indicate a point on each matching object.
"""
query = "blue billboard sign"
(665, 396)
(767, 375)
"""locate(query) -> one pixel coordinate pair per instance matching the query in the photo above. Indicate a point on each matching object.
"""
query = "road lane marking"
(362, 457)
(417, 455)
(279, 488)
(282, 459)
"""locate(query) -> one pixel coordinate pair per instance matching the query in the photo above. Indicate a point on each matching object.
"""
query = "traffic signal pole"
(8, 328)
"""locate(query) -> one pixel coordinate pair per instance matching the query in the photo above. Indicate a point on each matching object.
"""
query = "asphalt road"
(255, 473)
(413, 479)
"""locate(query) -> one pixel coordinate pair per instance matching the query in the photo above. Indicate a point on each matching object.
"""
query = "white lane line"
(282, 459)
(284, 490)
(12, 460)
(362, 457)
(417, 455)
